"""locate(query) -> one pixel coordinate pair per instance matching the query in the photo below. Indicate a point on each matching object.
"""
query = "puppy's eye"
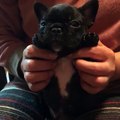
(75, 24)
(43, 23)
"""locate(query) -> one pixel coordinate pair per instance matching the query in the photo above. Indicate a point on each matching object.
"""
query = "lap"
(17, 102)
(109, 109)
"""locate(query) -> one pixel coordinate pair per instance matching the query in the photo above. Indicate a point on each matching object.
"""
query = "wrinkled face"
(62, 28)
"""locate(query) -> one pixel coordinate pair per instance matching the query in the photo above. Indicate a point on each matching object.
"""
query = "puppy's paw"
(90, 39)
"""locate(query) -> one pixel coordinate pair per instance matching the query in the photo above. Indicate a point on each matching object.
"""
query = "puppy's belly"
(64, 72)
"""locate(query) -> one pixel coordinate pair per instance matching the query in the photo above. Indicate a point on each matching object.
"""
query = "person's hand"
(95, 75)
(37, 66)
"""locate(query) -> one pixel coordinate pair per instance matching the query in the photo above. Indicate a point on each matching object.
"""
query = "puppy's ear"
(40, 10)
(89, 11)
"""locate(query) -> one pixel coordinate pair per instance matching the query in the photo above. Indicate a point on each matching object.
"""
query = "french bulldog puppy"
(63, 30)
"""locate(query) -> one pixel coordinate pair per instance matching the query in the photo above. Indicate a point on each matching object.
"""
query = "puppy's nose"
(56, 30)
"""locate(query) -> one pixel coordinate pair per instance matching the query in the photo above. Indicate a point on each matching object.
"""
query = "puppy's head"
(62, 26)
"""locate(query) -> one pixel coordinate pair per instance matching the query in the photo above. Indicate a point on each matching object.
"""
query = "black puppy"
(63, 29)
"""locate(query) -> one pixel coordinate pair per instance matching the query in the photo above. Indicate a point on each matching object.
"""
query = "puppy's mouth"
(56, 32)
(56, 38)
(56, 45)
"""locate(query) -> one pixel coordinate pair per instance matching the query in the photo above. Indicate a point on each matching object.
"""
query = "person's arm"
(24, 61)
(11, 36)
(96, 75)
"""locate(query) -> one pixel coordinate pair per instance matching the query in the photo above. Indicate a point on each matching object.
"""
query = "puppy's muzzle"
(56, 29)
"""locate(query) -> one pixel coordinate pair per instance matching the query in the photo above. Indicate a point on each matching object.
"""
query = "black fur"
(63, 29)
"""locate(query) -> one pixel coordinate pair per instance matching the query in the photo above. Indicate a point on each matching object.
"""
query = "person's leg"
(18, 103)
(108, 110)
(109, 105)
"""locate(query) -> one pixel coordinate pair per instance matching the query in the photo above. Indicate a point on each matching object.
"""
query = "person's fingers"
(38, 86)
(90, 89)
(94, 53)
(34, 77)
(32, 51)
(94, 68)
(94, 81)
(32, 65)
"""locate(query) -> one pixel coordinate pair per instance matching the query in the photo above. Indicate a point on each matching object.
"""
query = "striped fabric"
(108, 110)
(19, 104)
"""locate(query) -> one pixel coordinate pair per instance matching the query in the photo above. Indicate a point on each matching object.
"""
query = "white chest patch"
(64, 72)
